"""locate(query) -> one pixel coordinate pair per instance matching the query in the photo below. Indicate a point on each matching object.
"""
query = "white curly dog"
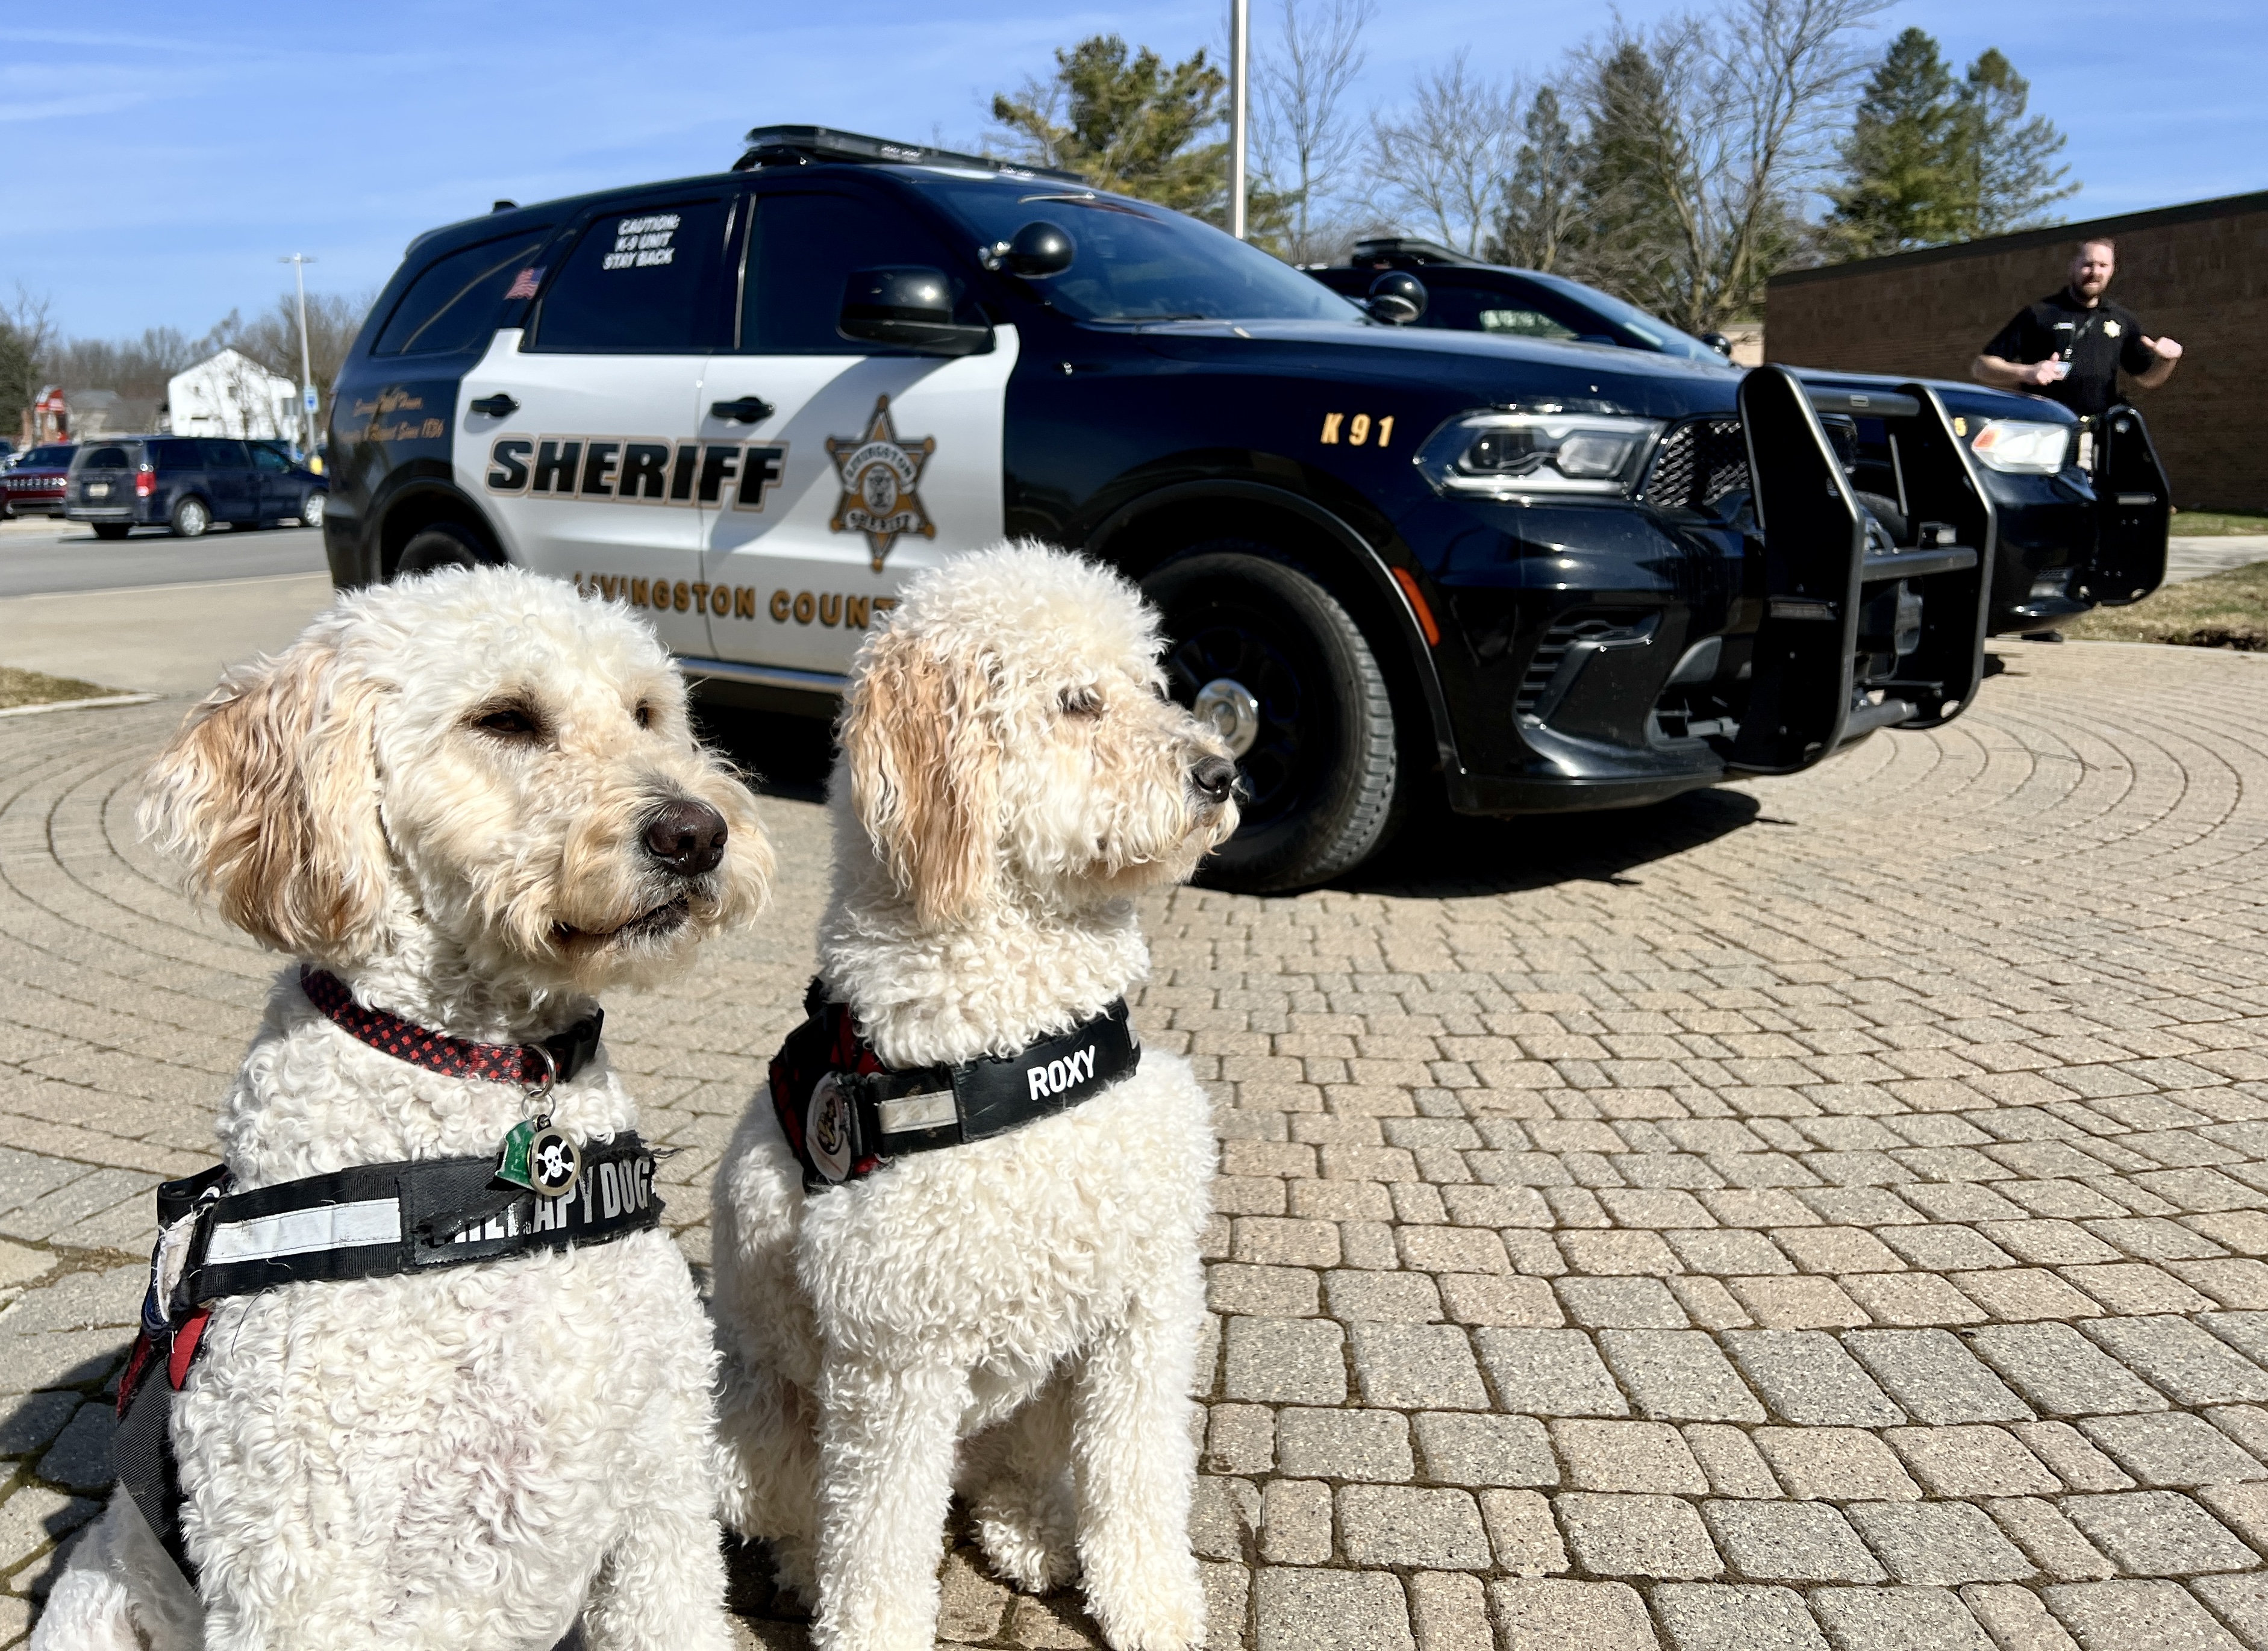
(1016, 1318)
(451, 793)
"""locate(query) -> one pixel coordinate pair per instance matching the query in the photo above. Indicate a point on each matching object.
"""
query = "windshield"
(1650, 332)
(1138, 262)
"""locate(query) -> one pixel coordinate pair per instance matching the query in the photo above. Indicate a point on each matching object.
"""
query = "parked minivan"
(188, 484)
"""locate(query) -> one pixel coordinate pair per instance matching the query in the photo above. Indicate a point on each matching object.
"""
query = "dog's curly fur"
(1019, 1316)
(438, 793)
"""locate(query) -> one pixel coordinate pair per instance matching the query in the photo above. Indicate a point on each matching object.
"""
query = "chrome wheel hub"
(1227, 707)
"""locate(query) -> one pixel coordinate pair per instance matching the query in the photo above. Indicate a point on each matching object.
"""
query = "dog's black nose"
(688, 836)
(1213, 779)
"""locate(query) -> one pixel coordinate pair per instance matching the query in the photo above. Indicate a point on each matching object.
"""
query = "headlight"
(2020, 445)
(1517, 455)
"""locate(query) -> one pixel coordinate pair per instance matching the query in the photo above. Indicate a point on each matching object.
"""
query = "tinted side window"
(452, 305)
(105, 458)
(266, 458)
(801, 249)
(224, 455)
(1506, 310)
(636, 281)
(176, 455)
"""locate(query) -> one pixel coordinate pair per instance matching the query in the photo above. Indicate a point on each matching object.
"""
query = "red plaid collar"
(555, 1059)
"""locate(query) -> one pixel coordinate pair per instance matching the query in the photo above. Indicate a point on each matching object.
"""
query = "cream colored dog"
(451, 793)
(989, 1315)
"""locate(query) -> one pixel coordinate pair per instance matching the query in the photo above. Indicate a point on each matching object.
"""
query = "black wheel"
(443, 545)
(1271, 658)
(111, 529)
(192, 518)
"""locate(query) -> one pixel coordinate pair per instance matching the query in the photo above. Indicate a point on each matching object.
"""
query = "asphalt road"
(36, 558)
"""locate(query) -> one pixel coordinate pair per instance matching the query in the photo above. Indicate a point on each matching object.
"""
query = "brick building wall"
(2195, 273)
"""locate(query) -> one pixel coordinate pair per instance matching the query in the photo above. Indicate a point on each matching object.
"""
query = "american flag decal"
(524, 285)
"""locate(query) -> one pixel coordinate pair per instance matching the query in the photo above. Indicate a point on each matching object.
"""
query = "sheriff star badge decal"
(880, 475)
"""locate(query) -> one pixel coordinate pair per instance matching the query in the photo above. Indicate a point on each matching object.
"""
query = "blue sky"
(158, 163)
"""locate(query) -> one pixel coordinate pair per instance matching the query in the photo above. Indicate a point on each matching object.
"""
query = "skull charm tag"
(554, 1165)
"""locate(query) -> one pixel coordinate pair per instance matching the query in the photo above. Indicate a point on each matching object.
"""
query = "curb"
(79, 704)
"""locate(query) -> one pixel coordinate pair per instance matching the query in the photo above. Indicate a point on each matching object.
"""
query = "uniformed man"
(2071, 345)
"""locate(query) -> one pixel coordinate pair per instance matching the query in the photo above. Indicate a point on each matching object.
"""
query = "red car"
(34, 485)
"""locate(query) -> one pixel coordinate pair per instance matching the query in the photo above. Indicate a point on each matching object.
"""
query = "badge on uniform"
(2110, 330)
(827, 1128)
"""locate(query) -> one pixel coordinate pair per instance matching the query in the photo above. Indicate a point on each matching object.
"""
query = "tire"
(192, 518)
(111, 529)
(310, 511)
(1886, 511)
(1321, 768)
(442, 545)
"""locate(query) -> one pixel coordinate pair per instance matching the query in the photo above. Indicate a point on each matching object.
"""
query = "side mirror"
(1719, 342)
(1397, 297)
(907, 307)
(1040, 249)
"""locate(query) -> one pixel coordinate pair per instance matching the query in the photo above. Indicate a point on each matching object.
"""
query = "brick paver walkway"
(1823, 1211)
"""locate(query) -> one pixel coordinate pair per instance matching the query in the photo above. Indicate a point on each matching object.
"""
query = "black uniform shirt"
(2097, 342)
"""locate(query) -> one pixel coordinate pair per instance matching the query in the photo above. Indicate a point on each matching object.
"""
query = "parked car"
(2073, 530)
(34, 485)
(188, 484)
(1523, 573)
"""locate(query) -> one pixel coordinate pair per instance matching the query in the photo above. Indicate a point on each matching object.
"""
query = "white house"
(232, 395)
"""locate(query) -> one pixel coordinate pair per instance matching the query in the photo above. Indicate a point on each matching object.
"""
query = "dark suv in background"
(188, 484)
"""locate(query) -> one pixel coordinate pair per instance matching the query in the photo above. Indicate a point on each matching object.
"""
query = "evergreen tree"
(1637, 184)
(2008, 175)
(1542, 215)
(1906, 180)
(1129, 123)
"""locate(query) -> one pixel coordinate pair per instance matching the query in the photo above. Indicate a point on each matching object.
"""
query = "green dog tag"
(512, 1166)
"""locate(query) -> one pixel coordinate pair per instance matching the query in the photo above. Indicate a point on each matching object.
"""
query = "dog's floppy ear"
(270, 792)
(925, 767)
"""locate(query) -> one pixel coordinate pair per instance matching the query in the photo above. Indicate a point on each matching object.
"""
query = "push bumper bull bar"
(1814, 688)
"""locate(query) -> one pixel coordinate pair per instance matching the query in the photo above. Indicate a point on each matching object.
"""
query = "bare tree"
(1705, 139)
(1444, 163)
(28, 333)
(272, 338)
(1306, 143)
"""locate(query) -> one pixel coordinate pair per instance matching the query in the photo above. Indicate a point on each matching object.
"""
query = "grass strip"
(2223, 610)
(37, 687)
(2216, 524)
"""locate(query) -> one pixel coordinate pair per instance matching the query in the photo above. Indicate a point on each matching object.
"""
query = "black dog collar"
(845, 1114)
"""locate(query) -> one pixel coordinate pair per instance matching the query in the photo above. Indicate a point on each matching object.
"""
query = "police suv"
(2082, 514)
(1536, 574)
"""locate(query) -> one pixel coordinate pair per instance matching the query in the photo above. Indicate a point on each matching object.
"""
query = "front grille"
(1697, 463)
(1552, 649)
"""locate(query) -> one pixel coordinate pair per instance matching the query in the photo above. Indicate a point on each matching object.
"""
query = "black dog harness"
(845, 1114)
(367, 1222)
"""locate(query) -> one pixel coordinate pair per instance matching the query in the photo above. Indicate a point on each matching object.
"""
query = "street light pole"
(300, 263)
(1240, 79)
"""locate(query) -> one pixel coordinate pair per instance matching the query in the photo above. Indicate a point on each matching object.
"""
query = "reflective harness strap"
(845, 1115)
(370, 1221)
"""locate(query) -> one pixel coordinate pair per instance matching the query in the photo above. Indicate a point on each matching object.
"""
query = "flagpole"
(1239, 77)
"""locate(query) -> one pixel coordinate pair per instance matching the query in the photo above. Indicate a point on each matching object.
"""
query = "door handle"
(749, 409)
(496, 406)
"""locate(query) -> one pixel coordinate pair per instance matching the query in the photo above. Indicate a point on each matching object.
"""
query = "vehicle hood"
(1485, 369)
(1977, 400)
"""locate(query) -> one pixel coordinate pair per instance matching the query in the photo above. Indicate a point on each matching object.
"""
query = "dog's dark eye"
(1080, 702)
(509, 722)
